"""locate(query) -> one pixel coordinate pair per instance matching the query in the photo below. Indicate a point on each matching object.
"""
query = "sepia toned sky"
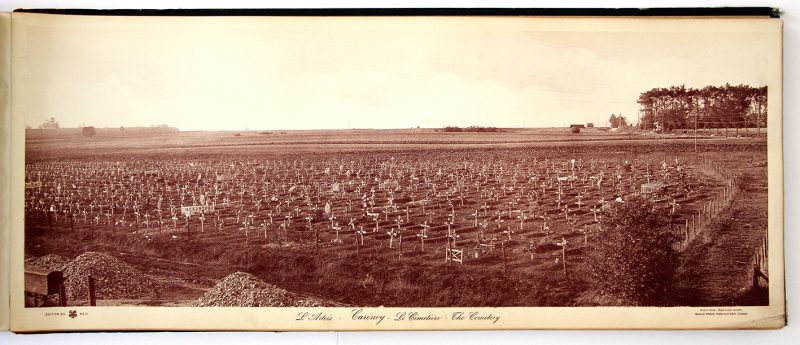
(313, 72)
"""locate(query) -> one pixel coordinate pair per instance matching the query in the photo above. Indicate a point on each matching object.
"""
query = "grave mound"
(242, 289)
(49, 262)
(114, 279)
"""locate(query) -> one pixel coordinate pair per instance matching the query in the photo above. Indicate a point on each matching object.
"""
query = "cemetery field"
(385, 217)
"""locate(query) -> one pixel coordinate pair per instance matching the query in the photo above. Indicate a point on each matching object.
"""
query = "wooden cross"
(332, 218)
(392, 234)
(532, 248)
(563, 245)
(337, 228)
(594, 211)
(508, 232)
(451, 233)
(674, 205)
(361, 233)
(585, 233)
(246, 223)
(188, 222)
(400, 248)
(522, 218)
(422, 236)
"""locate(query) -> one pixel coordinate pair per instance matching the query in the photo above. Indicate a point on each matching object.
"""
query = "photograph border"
(178, 318)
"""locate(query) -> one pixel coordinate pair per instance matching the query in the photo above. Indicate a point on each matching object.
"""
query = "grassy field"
(45, 144)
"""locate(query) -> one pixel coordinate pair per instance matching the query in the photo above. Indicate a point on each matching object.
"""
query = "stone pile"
(49, 262)
(114, 279)
(242, 289)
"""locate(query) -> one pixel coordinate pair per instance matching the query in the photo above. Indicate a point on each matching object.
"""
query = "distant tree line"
(51, 129)
(728, 106)
(471, 129)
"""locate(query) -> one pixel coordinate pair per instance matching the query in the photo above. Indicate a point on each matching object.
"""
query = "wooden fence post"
(686, 232)
(755, 276)
(91, 290)
(564, 256)
(505, 266)
(62, 294)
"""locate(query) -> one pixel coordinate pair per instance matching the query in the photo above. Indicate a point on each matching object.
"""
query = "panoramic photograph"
(395, 162)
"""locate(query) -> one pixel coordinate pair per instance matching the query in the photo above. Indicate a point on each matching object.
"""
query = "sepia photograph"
(330, 166)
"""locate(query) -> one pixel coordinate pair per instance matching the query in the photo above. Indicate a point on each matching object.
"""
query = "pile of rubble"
(114, 279)
(49, 262)
(242, 289)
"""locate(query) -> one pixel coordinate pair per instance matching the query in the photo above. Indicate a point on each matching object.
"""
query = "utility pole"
(695, 130)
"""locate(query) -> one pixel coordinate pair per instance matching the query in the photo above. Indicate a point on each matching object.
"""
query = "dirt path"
(717, 266)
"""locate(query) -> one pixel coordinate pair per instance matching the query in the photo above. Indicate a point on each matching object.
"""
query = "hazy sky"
(301, 73)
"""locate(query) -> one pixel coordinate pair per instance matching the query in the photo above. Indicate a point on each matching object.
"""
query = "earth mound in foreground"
(243, 289)
(49, 262)
(114, 279)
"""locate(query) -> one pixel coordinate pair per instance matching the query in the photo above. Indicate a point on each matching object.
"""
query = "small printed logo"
(73, 314)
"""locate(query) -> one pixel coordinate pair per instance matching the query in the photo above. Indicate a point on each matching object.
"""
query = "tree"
(672, 119)
(632, 258)
(88, 131)
(622, 121)
(679, 107)
(50, 123)
(613, 121)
